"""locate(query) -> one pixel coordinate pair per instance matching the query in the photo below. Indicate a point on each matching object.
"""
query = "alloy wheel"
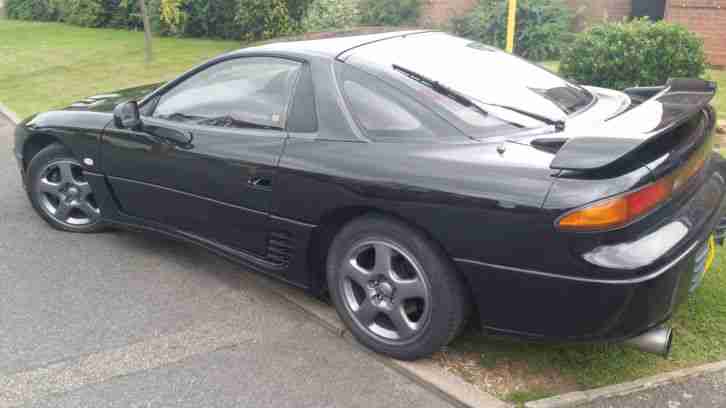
(65, 195)
(386, 291)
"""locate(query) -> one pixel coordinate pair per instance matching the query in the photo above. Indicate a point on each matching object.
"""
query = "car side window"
(248, 92)
(387, 115)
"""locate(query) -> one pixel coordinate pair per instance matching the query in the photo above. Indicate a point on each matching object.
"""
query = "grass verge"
(46, 65)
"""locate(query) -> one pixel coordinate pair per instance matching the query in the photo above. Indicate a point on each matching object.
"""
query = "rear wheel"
(60, 193)
(394, 289)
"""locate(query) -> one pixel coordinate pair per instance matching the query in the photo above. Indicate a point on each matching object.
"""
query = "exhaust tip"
(655, 341)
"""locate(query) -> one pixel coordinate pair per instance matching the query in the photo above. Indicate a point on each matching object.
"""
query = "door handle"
(259, 182)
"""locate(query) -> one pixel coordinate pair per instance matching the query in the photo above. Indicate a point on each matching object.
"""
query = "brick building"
(707, 18)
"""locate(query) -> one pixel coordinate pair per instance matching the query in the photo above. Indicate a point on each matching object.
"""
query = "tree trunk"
(147, 30)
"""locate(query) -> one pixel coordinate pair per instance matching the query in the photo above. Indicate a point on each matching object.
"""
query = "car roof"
(327, 47)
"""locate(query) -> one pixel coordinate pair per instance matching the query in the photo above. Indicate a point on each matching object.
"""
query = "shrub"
(84, 13)
(389, 12)
(637, 53)
(325, 15)
(39, 10)
(263, 19)
(297, 9)
(543, 26)
(123, 14)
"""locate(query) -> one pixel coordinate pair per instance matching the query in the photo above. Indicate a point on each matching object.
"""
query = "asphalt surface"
(125, 319)
(700, 392)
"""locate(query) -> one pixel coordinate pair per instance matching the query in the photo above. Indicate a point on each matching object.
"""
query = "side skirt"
(293, 271)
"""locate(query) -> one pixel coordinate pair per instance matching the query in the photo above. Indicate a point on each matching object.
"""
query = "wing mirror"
(126, 116)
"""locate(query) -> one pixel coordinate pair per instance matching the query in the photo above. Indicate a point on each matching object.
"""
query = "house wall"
(439, 12)
(707, 18)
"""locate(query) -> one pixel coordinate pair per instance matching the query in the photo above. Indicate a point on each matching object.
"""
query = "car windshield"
(480, 72)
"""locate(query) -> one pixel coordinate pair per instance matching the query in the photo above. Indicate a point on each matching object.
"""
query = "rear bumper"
(552, 306)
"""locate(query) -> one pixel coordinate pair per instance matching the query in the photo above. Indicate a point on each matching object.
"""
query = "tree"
(147, 30)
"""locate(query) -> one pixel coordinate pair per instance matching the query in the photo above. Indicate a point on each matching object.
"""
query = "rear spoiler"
(662, 110)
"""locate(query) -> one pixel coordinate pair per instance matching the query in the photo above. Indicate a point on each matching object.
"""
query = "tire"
(60, 194)
(395, 290)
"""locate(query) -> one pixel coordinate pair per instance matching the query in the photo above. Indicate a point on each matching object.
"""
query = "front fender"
(79, 131)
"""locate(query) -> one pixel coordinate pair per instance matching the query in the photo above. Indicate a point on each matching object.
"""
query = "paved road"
(700, 392)
(124, 319)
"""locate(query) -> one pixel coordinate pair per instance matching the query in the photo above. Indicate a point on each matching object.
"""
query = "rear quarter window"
(385, 114)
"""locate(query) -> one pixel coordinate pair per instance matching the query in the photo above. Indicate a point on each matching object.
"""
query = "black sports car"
(418, 178)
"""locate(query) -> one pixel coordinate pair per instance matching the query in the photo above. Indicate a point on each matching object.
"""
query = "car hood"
(106, 102)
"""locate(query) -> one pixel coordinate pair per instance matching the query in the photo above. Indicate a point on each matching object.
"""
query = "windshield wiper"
(468, 102)
(441, 89)
(559, 125)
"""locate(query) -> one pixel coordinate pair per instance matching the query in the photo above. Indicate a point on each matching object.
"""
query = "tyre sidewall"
(54, 152)
(445, 291)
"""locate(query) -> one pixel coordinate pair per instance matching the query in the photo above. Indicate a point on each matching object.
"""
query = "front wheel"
(394, 289)
(60, 193)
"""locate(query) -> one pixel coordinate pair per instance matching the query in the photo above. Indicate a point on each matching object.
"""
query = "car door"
(219, 185)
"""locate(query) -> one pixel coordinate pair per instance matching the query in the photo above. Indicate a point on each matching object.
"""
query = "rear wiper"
(558, 124)
(466, 101)
(441, 89)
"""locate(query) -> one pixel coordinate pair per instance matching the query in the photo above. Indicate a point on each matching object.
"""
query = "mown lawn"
(45, 65)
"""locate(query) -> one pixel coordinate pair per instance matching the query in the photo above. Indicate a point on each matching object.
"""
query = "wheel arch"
(35, 143)
(333, 221)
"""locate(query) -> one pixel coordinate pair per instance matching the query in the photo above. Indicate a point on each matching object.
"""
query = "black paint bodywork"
(490, 204)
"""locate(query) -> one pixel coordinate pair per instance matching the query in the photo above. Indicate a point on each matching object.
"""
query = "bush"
(326, 15)
(389, 12)
(543, 26)
(638, 53)
(84, 13)
(39, 10)
(122, 14)
(263, 19)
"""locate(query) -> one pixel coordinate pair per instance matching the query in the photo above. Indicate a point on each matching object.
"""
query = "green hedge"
(326, 15)
(543, 26)
(38, 10)
(637, 53)
(389, 12)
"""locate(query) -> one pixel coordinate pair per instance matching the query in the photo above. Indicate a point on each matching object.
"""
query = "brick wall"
(438, 12)
(707, 18)
(594, 11)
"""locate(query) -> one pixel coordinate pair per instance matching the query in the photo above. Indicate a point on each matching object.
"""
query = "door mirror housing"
(126, 115)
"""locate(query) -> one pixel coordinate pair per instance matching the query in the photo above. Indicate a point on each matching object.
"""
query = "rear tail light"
(621, 210)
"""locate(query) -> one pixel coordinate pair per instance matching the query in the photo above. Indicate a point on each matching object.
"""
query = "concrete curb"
(577, 398)
(5, 111)
(425, 373)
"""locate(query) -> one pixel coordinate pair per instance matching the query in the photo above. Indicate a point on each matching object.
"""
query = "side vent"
(279, 248)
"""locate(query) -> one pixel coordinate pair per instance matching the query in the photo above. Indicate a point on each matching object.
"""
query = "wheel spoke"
(383, 256)
(66, 173)
(410, 289)
(63, 210)
(356, 273)
(403, 327)
(88, 209)
(49, 187)
(366, 312)
(85, 189)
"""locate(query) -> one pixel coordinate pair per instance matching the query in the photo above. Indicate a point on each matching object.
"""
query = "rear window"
(480, 72)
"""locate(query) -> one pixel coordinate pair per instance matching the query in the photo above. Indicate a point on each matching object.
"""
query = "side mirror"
(126, 115)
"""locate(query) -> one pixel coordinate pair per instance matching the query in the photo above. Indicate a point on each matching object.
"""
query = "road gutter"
(426, 373)
(577, 398)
